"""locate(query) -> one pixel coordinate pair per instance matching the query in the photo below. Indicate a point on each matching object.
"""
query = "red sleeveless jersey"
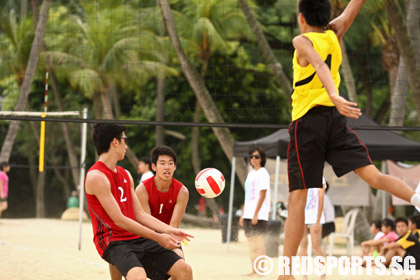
(162, 203)
(104, 229)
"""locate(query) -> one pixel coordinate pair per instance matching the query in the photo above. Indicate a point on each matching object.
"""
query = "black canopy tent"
(382, 145)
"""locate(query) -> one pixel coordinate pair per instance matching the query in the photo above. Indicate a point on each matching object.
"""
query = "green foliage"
(94, 45)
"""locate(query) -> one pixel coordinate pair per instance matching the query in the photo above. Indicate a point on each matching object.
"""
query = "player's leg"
(115, 274)
(316, 242)
(136, 273)
(388, 183)
(294, 225)
(259, 251)
(253, 244)
(303, 245)
(180, 270)
(179, 252)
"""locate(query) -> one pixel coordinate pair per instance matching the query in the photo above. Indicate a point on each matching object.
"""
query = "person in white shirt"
(369, 246)
(257, 205)
(144, 169)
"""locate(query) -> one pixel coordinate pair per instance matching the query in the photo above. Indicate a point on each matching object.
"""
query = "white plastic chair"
(347, 231)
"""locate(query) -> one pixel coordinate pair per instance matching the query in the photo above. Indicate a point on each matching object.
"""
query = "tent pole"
(232, 188)
(384, 193)
(276, 188)
(82, 176)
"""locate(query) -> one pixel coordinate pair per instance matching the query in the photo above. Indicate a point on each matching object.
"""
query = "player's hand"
(180, 235)
(167, 241)
(254, 220)
(241, 221)
(346, 108)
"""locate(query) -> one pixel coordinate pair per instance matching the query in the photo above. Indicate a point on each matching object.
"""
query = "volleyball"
(210, 182)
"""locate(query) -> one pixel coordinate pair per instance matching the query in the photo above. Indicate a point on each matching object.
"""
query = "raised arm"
(180, 206)
(306, 54)
(342, 23)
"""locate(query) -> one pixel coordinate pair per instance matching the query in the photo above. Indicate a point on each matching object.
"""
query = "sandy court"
(48, 249)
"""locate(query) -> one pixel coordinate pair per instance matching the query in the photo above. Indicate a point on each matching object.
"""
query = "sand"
(48, 249)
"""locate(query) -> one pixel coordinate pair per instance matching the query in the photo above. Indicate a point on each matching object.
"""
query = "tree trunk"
(23, 9)
(399, 95)
(274, 65)
(66, 187)
(35, 11)
(348, 75)
(106, 104)
(112, 93)
(406, 48)
(69, 144)
(212, 113)
(160, 109)
(27, 81)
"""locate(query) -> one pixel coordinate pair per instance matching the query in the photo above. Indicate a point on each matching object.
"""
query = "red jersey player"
(162, 196)
(138, 244)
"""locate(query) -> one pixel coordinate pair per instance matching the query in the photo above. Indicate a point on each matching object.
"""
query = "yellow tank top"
(308, 91)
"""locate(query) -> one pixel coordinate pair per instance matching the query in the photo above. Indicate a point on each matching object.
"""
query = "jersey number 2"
(122, 199)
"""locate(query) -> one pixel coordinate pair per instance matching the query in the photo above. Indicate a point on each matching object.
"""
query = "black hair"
(3, 165)
(388, 223)
(146, 160)
(163, 150)
(377, 223)
(261, 152)
(104, 133)
(401, 219)
(316, 12)
(415, 219)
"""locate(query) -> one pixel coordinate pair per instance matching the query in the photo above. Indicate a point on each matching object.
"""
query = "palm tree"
(213, 24)
(406, 48)
(196, 82)
(268, 54)
(27, 79)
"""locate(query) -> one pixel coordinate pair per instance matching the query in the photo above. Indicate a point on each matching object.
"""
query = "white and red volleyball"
(210, 182)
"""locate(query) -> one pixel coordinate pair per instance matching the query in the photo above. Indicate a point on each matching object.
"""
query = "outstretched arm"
(342, 23)
(180, 206)
(306, 54)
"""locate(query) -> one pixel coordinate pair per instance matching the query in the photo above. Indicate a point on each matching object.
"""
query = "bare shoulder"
(141, 189)
(183, 193)
(96, 181)
(301, 41)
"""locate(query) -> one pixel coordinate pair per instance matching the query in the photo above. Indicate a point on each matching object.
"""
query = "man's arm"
(151, 222)
(180, 206)
(1, 189)
(342, 23)
(306, 54)
(143, 197)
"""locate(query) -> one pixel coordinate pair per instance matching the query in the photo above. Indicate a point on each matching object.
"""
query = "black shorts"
(253, 230)
(4, 199)
(322, 135)
(141, 252)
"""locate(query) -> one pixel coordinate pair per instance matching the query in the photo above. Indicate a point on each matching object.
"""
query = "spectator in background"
(414, 225)
(406, 245)
(329, 214)
(73, 201)
(257, 205)
(4, 186)
(145, 169)
(369, 246)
